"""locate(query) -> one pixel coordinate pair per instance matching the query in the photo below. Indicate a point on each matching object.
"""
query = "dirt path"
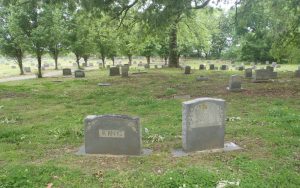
(31, 76)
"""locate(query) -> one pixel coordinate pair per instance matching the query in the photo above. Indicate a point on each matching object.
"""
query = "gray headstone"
(124, 71)
(211, 67)
(240, 68)
(147, 66)
(224, 67)
(274, 64)
(297, 73)
(13, 67)
(155, 66)
(261, 75)
(270, 68)
(84, 64)
(79, 74)
(91, 64)
(202, 67)
(248, 73)
(67, 72)
(202, 78)
(114, 71)
(235, 83)
(267, 63)
(27, 69)
(113, 134)
(187, 70)
(203, 124)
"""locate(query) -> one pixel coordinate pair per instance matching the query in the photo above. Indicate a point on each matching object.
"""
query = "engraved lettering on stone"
(111, 133)
(205, 115)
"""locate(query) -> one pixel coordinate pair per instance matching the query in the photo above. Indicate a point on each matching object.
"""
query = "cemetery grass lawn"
(41, 127)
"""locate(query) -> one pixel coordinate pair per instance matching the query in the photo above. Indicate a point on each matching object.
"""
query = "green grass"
(41, 128)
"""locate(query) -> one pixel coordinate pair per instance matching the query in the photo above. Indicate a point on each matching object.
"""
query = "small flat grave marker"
(114, 71)
(67, 72)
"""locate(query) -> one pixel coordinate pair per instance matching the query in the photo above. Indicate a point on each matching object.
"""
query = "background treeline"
(252, 30)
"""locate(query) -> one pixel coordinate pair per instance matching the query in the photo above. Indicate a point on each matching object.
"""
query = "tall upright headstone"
(113, 134)
(211, 67)
(224, 67)
(187, 70)
(203, 124)
(248, 73)
(235, 83)
(124, 71)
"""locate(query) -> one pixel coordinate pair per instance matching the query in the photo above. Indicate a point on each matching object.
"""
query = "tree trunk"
(77, 60)
(113, 60)
(20, 64)
(130, 59)
(148, 60)
(166, 60)
(85, 58)
(39, 58)
(56, 61)
(173, 53)
(103, 61)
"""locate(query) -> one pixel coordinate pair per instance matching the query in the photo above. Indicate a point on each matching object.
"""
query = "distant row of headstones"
(203, 128)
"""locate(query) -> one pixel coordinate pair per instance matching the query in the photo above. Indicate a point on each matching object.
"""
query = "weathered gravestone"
(235, 83)
(91, 64)
(203, 124)
(211, 67)
(114, 71)
(84, 64)
(124, 71)
(155, 66)
(240, 68)
(248, 73)
(261, 75)
(202, 67)
(79, 74)
(202, 78)
(272, 74)
(27, 69)
(67, 72)
(270, 68)
(274, 64)
(113, 134)
(13, 67)
(147, 66)
(224, 67)
(187, 70)
(297, 73)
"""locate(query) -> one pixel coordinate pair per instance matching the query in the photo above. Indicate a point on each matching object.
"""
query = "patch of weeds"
(170, 91)
(136, 101)
(154, 138)
(8, 121)
(60, 133)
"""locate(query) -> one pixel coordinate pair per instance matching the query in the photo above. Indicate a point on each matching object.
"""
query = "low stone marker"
(79, 74)
(124, 71)
(274, 64)
(147, 66)
(248, 73)
(114, 71)
(270, 68)
(155, 66)
(67, 72)
(203, 124)
(202, 67)
(187, 70)
(235, 83)
(13, 67)
(27, 69)
(84, 64)
(211, 67)
(113, 134)
(241, 68)
(202, 78)
(91, 64)
(224, 67)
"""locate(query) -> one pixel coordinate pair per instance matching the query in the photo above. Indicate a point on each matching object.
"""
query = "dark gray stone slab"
(202, 78)
(13, 67)
(79, 74)
(297, 73)
(203, 124)
(224, 67)
(187, 70)
(104, 84)
(235, 83)
(67, 72)
(270, 68)
(211, 67)
(114, 71)
(248, 73)
(113, 134)
(261, 75)
(202, 67)
(147, 66)
(27, 69)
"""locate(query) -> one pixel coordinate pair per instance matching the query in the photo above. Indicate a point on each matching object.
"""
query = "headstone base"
(81, 151)
(229, 146)
(235, 90)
